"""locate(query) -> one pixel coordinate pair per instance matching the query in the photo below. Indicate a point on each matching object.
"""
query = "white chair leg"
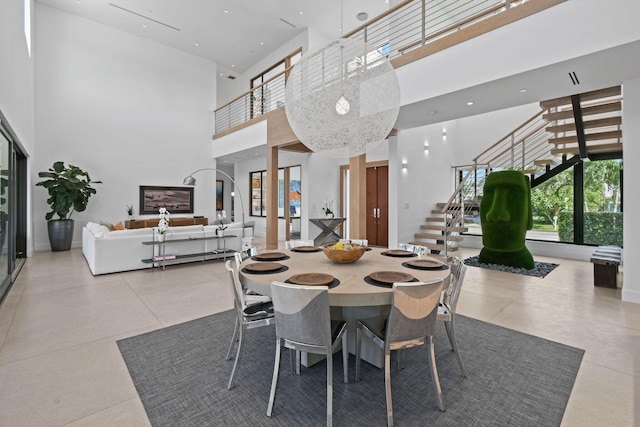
(434, 373)
(238, 355)
(451, 331)
(387, 387)
(274, 381)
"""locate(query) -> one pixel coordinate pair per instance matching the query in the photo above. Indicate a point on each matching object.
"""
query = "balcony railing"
(398, 31)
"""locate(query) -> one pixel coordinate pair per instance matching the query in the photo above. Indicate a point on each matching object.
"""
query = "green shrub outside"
(600, 228)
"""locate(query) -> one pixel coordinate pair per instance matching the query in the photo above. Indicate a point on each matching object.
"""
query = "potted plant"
(69, 190)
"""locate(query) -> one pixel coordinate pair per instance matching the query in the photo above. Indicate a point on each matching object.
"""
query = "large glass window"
(274, 76)
(258, 181)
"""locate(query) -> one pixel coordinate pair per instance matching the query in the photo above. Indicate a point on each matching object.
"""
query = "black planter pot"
(60, 234)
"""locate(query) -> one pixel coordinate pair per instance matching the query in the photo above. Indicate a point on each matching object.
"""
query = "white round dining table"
(353, 290)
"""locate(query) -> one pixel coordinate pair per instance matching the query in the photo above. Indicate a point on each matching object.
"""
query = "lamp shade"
(342, 99)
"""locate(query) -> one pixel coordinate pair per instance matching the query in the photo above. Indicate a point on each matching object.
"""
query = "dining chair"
(303, 323)
(420, 250)
(447, 308)
(411, 322)
(405, 246)
(250, 296)
(290, 244)
(248, 316)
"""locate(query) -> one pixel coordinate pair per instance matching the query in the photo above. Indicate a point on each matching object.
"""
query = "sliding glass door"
(13, 174)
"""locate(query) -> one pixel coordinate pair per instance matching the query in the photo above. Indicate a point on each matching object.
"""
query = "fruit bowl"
(343, 253)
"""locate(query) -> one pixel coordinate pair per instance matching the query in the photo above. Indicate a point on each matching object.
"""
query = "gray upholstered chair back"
(302, 313)
(413, 311)
(452, 292)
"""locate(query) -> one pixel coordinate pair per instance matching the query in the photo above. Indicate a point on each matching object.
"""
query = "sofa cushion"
(98, 230)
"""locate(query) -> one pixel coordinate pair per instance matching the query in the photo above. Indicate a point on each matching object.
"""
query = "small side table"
(328, 227)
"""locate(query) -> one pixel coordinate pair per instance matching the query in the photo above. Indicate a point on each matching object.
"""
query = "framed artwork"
(219, 195)
(175, 199)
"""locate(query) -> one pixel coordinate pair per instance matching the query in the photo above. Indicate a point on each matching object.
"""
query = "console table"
(173, 222)
(328, 227)
(160, 257)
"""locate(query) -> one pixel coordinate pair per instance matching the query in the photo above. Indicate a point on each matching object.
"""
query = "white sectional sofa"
(121, 250)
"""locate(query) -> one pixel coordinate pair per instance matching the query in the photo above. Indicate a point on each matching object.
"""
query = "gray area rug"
(541, 269)
(514, 379)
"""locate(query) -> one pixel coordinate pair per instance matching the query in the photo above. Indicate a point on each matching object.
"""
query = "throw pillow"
(117, 226)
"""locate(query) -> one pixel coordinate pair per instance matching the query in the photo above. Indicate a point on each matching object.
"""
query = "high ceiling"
(234, 33)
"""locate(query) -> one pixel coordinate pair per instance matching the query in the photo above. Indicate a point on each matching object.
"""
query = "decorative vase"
(60, 234)
(160, 237)
(220, 232)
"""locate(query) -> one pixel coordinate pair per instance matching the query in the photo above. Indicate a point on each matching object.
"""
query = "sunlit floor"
(59, 363)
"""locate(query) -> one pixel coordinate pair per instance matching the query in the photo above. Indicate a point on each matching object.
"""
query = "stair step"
(543, 162)
(441, 228)
(588, 124)
(438, 237)
(602, 148)
(440, 220)
(587, 96)
(608, 107)
(599, 136)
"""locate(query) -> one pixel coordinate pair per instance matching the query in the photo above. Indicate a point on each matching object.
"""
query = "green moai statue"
(505, 214)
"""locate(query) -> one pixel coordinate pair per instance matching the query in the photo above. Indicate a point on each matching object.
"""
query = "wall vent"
(231, 77)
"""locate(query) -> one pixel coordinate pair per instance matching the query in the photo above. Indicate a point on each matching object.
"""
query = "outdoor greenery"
(553, 201)
(600, 228)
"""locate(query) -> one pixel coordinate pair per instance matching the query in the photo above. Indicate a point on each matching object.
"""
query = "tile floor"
(60, 366)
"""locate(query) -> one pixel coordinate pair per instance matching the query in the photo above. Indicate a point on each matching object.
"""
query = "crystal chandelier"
(342, 99)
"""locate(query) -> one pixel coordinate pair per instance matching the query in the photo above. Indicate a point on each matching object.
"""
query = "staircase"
(566, 131)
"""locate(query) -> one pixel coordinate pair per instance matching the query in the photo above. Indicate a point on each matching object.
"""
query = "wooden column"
(272, 198)
(358, 193)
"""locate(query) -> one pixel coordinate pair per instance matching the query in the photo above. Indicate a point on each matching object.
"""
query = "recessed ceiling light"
(144, 26)
(470, 103)
(226, 11)
(261, 43)
(197, 44)
(221, 75)
(523, 90)
(232, 65)
(301, 13)
(362, 16)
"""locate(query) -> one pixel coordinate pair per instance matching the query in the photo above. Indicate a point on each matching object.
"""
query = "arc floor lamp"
(190, 180)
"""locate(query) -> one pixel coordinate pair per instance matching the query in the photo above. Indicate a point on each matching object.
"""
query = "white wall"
(129, 111)
(16, 73)
(631, 196)
(17, 88)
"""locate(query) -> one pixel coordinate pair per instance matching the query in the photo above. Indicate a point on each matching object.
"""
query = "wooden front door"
(378, 205)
